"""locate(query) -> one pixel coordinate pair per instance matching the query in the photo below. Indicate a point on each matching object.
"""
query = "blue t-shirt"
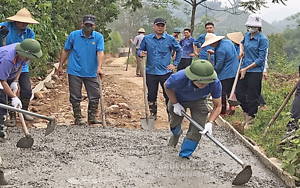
(159, 53)
(255, 50)
(186, 91)
(14, 37)
(83, 56)
(9, 67)
(226, 60)
(203, 52)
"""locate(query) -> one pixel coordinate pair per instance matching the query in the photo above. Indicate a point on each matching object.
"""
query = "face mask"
(253, 29)
(87, 29)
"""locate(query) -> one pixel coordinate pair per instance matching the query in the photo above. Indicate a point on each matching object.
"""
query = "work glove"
(178, 108)
(14, 86)
(207, 128)
(4, 31)
(15, 101)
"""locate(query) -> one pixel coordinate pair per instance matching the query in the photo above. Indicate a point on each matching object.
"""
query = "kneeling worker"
(189, 88)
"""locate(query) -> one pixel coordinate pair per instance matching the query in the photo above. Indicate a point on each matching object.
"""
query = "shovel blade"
(148, 123)
(233, 102)
(50, 127)
(244, 176)
(25, 142)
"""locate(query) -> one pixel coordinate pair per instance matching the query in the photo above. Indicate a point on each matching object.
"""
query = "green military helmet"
(176, 30)
(29, 48)
(201, 71)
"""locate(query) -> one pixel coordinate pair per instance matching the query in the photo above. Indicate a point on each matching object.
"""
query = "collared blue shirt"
(237, 48)
(9, 68)
(14, 37)
(187, 47)
(203, 52)
(255, 50)
(186, 91)
(159, 53)
(83, 57)
(226, 60)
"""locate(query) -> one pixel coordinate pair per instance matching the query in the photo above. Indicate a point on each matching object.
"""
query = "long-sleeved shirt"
(187, 47)
(14, 36)
(159, 53)
(255, 50)
(138, 40)
(226, 60)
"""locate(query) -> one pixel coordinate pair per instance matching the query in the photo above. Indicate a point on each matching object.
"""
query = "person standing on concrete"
(226, 64)
(18, 31)
(188, 51)
(293, 125)
(158, 48)
(139, 60)
(188, 88)
(202, 53)
(12, 58)
(253, 49)
(85, 49)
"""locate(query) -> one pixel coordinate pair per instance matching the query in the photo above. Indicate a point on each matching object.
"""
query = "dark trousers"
(91, 85)
(152, 82)
(247, 92)
(184, 62)
(227, 85)
(3, 100)
(295, 111)
(261, 100)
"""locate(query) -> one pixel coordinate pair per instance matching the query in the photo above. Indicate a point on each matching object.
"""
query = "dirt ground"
(121, 155)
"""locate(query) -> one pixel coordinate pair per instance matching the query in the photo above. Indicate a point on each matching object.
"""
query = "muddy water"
(76, 156)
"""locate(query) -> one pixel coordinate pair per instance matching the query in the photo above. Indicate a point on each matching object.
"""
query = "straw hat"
(24, 16)
(141, 30)
(236, 37)
(211, 38)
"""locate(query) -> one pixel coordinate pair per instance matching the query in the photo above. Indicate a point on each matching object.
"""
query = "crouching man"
(189, 88)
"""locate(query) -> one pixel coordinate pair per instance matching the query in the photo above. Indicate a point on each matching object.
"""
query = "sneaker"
(292, 127)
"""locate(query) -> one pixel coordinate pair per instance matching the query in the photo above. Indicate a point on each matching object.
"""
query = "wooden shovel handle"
(235, 80)
(24, 127)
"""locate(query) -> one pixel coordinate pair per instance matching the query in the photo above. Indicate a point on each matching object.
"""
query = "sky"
(277, 12)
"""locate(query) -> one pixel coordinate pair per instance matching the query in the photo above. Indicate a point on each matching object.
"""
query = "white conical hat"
(211, 38)
(236, 37)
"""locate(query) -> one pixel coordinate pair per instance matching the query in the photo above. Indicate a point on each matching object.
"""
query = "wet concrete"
(74, 156)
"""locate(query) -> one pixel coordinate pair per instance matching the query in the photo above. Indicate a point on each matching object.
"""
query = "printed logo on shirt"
(22, 36)
(93, 43)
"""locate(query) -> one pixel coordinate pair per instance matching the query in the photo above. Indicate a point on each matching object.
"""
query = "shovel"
(102, 102)
(231, 100)
(27, 141)
(51, 125)
(244, 176)
(147, 123)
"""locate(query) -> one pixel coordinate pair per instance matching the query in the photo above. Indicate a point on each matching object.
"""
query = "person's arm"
(220, 61)
(142, 51)
(100, 58)
(171, 94)
(7, 89)
(216, 109)
(63, 57)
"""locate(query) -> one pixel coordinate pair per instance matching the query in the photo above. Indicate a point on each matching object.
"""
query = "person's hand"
(207, 128)
(4, 31)
(143, 53)
(196, 54)
(210, 51)
(243, 73)
(171, 67)
(178, 108)
(59, 71)
(100, 72)
(241, 54)
(131, 41)
(192, 54)
(265, 75)
(15, 101)
(14, 86)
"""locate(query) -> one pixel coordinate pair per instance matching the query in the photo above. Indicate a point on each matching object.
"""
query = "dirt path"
(90, 156)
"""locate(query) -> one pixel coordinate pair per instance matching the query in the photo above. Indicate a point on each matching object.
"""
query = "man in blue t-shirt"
(85, 48)
(18, 31)
(189, 88)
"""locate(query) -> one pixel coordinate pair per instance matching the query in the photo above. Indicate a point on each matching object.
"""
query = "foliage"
(277, 55)
(114, 43)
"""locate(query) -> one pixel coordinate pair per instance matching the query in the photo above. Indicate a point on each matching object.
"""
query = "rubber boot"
(153, 109)
(187, 148)
(25, 104)
(175, 137)
(2, 179)
(12, 119)
(92, 112)
(77, 114)
(223, 111)
(2, 129)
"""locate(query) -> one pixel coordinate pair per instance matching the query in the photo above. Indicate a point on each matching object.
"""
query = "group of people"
(204, 66)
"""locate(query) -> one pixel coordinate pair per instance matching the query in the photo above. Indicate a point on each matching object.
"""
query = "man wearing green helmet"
(12, 58)
(189, 88)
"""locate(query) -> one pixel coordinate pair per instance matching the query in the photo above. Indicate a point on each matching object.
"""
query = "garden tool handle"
(214, 140)
(24, 127)
(235, 80)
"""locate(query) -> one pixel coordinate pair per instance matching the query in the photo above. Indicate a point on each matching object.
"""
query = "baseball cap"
(160, 21)
(89, 19)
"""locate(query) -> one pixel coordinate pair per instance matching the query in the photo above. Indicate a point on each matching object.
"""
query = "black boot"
(12, 119)
(25, 104)
(92, 112)
(2, 129)
(77, 114)
(153, 109)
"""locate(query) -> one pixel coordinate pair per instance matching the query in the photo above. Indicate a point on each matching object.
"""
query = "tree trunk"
(193, 16)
